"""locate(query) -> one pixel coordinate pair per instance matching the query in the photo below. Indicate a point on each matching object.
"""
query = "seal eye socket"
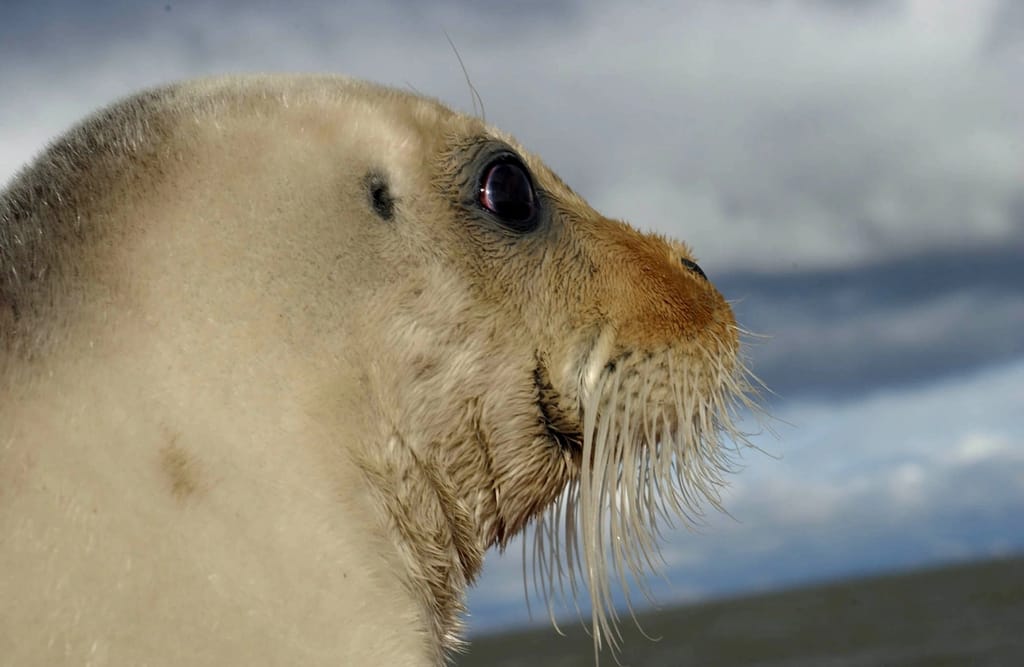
(507, 192)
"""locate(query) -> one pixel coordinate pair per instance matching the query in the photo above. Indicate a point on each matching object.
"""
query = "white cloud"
(982, 446)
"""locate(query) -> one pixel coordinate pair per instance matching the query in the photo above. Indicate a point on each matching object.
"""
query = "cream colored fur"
(245, 420)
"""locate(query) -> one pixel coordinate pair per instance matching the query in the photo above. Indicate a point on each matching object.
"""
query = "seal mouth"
(561, 426)
(562, 417)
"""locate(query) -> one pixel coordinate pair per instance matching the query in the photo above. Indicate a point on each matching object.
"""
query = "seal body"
(281, 357)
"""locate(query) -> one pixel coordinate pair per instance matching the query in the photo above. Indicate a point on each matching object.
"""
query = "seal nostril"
(691, 265)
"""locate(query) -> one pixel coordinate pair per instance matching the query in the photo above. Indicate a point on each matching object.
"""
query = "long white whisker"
(659, 434)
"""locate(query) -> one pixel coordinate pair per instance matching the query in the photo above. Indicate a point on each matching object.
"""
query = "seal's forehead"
(358, 121)
(362, 107)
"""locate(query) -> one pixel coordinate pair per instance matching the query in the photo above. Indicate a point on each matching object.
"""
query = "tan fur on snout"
(272, 381)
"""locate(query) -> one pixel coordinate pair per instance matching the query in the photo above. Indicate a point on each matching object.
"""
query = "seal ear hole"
(693, 267)
(379, 192)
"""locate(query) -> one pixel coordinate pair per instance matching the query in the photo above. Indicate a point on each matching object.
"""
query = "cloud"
(896, 321)
(1005, 36)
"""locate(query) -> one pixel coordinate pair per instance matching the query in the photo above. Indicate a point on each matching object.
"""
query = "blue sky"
(850, 172)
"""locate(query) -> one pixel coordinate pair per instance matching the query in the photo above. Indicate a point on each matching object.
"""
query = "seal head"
(358, 333)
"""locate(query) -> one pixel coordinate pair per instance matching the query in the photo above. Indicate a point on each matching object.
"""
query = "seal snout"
(654, 294)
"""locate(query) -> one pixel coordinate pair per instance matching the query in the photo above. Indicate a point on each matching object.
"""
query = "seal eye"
(507, 191)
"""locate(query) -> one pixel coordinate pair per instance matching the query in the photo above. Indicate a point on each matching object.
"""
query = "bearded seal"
(281, 357)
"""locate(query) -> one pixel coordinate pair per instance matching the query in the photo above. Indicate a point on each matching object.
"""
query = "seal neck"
(436, 533)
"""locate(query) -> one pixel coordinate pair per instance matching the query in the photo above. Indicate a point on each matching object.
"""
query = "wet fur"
(270, 386)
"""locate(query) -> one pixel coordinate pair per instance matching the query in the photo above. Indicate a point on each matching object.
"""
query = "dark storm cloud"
(43, 26)
(1005, 36)
(904, 320)
(854, 5)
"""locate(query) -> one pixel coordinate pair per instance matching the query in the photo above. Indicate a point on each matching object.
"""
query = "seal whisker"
(647, 461)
